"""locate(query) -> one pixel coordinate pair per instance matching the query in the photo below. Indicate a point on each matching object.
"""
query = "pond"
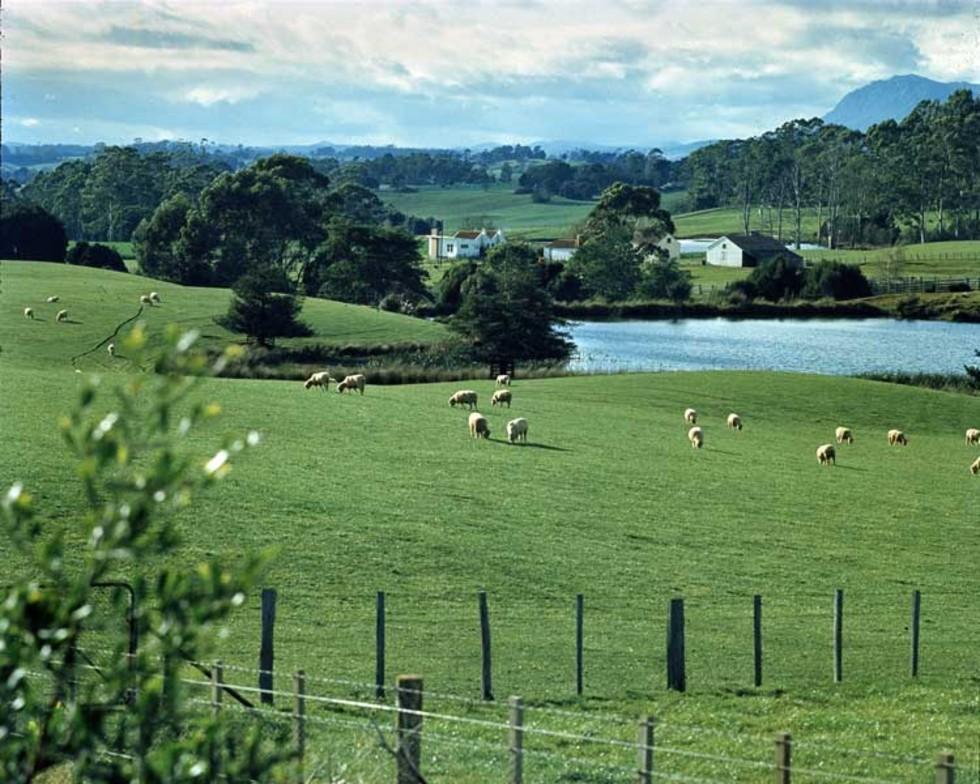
(827, 346)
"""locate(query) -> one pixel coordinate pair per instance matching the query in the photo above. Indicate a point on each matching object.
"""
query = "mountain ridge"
(890, 99)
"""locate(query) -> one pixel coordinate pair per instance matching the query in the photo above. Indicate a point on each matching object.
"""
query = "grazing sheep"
(975, 468)
(52, 299)
(62, 316)
(973, 436)
(897, 437)
(826, 454)
(696, 436)
(356, 381)
(517, 430)
(844, 434)
(690, 416)
(321, 379)
(503, 380)
(464, 397)
(111, 348)
(735, 421)
(479, 425)
(154, 297)
(145, 300)
(500, 397)
(29, 313)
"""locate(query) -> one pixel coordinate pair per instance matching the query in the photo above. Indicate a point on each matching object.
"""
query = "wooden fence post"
(838, 635)
(675, 646)
(217, 692)
(409, 728)
(485, 645)
(644, 751)
(757, 637)
(916, 617)
(945, 769)
(516, 740)
(579, 639)
(379, 647)
(266, 653)
(784, 757)
(299, 726)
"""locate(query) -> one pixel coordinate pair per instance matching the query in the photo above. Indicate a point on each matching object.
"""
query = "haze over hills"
(890, 99)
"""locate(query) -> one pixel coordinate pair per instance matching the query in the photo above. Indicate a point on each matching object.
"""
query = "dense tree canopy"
(264, 307)
(95, 255)
(28, 231)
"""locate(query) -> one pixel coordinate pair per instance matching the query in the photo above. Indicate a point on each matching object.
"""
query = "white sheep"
(897, 437)
(826, 454)
(975, 468)
(111, 348)
(356, 381)
(29, 313)
(843, 434)
(500, 397)
(973, 436)
(154, 297)
(696, 436)
(52, 299)
(479, 427)
(690, 416)
(503, 380)
(145, 300)
(735, 421)
(464, 397)
(62, 316)
(321, 379)
(517, 430)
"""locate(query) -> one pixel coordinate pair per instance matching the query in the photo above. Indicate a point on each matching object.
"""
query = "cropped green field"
(388, 492)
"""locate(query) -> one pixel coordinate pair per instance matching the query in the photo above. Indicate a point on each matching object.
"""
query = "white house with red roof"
(464, 244)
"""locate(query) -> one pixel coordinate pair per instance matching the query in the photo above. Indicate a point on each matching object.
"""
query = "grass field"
(387, 492)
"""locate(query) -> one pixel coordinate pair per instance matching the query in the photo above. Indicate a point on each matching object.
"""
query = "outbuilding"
(748, 250)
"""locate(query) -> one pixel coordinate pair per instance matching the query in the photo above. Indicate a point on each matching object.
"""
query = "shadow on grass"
(849, 467)
(547, 447)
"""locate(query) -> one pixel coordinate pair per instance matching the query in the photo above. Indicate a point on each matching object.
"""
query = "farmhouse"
(463, 244)
(563, 250)
(748, 250)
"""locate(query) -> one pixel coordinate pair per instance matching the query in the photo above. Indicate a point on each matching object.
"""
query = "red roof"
(467, 235)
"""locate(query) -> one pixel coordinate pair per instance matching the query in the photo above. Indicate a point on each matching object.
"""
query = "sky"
(457, 73)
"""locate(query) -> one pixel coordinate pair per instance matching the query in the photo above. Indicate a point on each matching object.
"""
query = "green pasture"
(387, 492)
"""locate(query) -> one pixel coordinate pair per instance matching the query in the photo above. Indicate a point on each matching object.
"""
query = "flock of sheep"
(826, 453)
(151, 299)
(322, 380)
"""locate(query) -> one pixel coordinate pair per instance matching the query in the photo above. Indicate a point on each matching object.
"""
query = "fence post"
(784, 757)
(579, 639)
(217, 692)
(516, 740)
(266, 654)
(945, 769)
(409, 728)
(379, 647)
(644, 750)
(757, 637)
(838, 635)
(675, 646)
(916, 616)
(299, 726)
(485, 645)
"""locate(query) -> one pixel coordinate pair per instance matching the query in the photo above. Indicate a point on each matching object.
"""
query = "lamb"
(464, 397)
(844, 434)
(975, 468)
(62, 316)
(500, 397)
(154, 297)
(973, 436)
(320, 379)
(52, 299)
(356, 381)
(145, 300)
(735, 421)
(503, 380)
(690, 416)
(479, 427)
(517, 430)
(696, 436)
(29, 313)
(897, 437)
(826, 454)
(111, 348)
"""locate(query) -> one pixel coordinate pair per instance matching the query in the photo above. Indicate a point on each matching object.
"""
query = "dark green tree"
(95, 255)
(264, 307)
(664, 279)
(836, 280)
(778, 279)
(30, 232)
(608, 263)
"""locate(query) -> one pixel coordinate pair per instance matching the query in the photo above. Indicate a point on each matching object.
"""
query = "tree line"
(919, 177)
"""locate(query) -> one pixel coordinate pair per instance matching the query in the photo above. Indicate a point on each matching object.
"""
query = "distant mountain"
(890, 99)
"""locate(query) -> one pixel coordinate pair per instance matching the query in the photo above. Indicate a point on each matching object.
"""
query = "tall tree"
(31, 232)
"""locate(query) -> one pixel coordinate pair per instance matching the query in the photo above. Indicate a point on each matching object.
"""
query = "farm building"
(748, 250)
(563, 250)
(672, 246)
(463, 244)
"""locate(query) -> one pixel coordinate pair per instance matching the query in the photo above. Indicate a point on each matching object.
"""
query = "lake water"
(827, 346)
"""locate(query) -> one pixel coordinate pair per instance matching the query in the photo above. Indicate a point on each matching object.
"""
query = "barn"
(748, 250)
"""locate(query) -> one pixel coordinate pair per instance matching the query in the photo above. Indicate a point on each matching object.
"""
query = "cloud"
(168, 39)
(30, 122)
(204, 95)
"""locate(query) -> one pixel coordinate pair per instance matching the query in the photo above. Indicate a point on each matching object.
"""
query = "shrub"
(264, 307)
(95, 255)
(836, 280)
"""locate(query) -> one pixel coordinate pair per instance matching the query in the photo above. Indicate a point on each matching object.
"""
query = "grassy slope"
(99, 300)
(387, 492)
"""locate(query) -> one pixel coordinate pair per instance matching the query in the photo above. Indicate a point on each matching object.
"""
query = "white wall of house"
(723, 253)
(442, 246)
(672, 246)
